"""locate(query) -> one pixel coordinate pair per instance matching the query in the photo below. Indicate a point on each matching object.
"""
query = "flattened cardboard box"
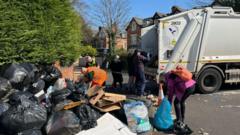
(114, 97)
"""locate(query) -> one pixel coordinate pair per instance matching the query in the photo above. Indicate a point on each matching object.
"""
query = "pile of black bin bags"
(24, 113)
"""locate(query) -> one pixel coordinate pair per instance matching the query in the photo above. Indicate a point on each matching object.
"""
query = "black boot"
(181, 129)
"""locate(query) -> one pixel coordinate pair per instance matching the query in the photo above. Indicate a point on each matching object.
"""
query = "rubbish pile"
(36, 100)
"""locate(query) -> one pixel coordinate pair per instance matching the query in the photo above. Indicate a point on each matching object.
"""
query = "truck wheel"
(209, 81)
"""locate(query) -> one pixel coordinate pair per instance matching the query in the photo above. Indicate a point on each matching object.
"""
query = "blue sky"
(146, 8)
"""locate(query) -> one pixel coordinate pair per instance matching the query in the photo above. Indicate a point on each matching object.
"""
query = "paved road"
(215, 114)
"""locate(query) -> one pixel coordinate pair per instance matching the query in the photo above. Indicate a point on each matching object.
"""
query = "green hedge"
(38, 31)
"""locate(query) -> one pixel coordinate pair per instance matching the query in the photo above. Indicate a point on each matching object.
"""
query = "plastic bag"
(63, 123)
(88, 116)
(18, 76)
(60, 84)
(31, 69)
(37, 86)
(163, 119)
(81, 88)
(30, 132)
(6, 97)
(50, 74)
(3, 107)
(137, 116)
(19, 97)
(60, 106)
(5, 86)
(75, 96)
(23, 116)
(70, 84)
(60, 95)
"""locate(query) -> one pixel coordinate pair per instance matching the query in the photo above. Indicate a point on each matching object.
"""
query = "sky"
(147, 8)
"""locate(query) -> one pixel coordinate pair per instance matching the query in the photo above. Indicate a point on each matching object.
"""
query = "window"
(134, 39)
(134, 26)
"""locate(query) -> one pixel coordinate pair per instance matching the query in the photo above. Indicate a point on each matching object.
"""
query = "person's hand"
(161, 85)
(173, 71)
(158, 102)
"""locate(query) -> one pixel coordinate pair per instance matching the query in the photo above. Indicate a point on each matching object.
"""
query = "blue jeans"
(140, 82)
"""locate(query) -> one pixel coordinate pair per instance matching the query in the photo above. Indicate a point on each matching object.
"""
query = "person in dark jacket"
(116, 67)
(131, 79)
(138, 62)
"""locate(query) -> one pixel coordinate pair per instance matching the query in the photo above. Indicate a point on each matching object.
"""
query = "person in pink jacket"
(180, 84)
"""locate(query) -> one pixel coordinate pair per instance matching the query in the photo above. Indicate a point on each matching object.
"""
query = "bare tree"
(82, 8)
(112, 15)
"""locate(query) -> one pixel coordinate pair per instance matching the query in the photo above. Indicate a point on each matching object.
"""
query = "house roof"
(217, 3)
(139, 21)
(160, 15)
(175, 10)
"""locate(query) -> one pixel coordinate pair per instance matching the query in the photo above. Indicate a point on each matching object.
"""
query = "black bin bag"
(30, 132)
(20, 97)
(37, 86)
(5, 87)
(3, 107)
(22, 116)
(88, 116)
(60, 95)
(31, 69)
(63, 123)
(50, 75)
(18, 76)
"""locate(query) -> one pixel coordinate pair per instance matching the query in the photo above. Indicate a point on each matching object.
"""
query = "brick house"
(142, 33)
(102, 40)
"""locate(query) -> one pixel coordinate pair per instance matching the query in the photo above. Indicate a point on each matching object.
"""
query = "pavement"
(208, 114)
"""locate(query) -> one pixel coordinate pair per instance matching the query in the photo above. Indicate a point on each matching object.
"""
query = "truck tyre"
(209, 81)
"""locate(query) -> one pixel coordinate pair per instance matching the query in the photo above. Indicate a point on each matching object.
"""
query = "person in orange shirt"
(95, 75)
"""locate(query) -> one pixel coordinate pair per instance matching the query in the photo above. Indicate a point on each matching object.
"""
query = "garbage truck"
(205, 41)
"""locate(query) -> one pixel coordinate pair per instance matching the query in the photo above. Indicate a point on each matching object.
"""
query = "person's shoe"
(188, 130)
(181, 129)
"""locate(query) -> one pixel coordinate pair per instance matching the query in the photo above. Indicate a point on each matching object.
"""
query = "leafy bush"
(38, 31)
(88, 50)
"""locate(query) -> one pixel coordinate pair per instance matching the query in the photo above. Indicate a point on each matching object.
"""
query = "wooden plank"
(73, 104)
